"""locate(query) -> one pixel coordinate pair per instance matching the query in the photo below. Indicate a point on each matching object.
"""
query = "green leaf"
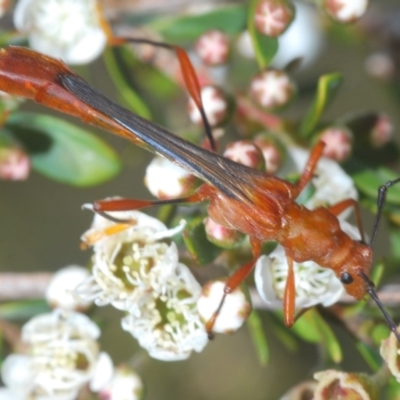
(132, 100)
(195, 239)
(64, 152)
(370, 356)
(258, 336)
(327, 87)
(368, 182)
(283, 334)
(231, 20)
(312, 328)
(394, 236)
(265, 47)
(23, 309)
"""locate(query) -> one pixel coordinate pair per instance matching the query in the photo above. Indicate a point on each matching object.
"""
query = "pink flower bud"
(272, 88)
(221, 235)
(215, 106)
(345, 11)
(213, 47)
(272, 17)
(245, 152)
(382, 132)
(338, 142)
(272, 153)
(15, 164)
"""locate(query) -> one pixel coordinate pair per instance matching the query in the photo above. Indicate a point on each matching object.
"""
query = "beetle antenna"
(371, 291)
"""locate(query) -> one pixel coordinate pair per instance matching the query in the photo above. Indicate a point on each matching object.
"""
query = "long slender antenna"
(382, 193)
(374, 296)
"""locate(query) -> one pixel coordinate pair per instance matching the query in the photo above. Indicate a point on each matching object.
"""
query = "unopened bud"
(59, 292)
(345, 11)
(272, 17)
(15, 164)
(338, 141)
(273, 154)
(272, 88)
(234, 311)
(245, 152)
(166, 180)
(125, 384)
(221, 235)
(382, 132)
(216, 106)
(381, 66)
(213, 47)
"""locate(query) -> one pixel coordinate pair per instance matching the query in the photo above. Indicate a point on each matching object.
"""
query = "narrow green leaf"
(329, 339)
(231, 20)
(23, 309)
(370, 356)
(312, 328)
(394, 236)
(368, 182)
(257, 334)
(265, 47)
(283, 334)
(327, 88)
(132, 100)
(195, 239)
(64, 152)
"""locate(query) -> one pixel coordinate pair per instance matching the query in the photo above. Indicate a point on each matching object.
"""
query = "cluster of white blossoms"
(314, 284)
(138, 272)
(61, 355)
(66, 29)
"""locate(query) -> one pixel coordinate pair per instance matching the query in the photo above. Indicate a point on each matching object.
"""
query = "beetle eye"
(346, 278)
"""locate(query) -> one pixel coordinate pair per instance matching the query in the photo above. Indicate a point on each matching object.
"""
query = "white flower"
(66, 29)
(62, 357)
(126, 258)
(331, 183)
(166, 180)
(124, 385)
(313, 284)
(59, 292)
(135, 271)
(165, 321)
(303, 39)
(234, 311)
